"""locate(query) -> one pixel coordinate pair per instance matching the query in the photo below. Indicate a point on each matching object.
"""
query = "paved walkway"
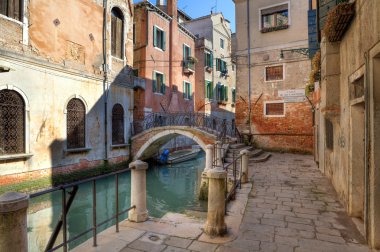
(291, 207)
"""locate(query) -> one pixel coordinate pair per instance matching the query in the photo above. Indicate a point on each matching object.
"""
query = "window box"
(338, 21)
(276, 28)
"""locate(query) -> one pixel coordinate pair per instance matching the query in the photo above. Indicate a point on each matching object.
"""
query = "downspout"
(105, 80)
(367, 144)
(249, 67)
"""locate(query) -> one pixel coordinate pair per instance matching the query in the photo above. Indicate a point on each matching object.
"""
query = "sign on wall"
(292, 95)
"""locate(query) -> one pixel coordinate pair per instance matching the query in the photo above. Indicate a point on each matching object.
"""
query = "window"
(275, 17)
(186, 90)
(12, 123)
(76, 124)
(117, 124)
(233, 94)
(221, 43)
(159, 83)
(159, 38)
(117, 27)
(134, 34)
(208, 59)
(209, 89)
(233, 67)
(274, 73)
(221, 65)
(222, 92)
(11, 8)
(186, 52)
(329, 134)
(274, 109)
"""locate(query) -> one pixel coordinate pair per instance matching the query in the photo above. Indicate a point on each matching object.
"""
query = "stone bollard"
(13, 224)
(215, 225)
(244, 168)
(219, 162)
(203, 191)
(138, 191)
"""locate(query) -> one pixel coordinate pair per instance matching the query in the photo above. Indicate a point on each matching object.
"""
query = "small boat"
(177, 156)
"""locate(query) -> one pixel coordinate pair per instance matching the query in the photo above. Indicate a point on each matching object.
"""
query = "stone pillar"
(13, 224)
(138, 191)
(203, 191)
(215, 224)
(219, 162)
(244, 164)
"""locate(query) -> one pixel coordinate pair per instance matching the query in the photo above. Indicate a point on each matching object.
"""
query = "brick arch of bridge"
(147, 143)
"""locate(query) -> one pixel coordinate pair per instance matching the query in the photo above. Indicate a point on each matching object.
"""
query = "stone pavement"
(292, 207)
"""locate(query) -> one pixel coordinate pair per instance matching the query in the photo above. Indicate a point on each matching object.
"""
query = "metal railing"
(222, 128)
(236, 169)
(66, 204)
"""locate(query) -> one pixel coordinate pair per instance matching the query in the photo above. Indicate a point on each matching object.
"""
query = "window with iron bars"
(12, 123)
(275, 109)
(274, 73)
(76, 124)
(118, 124)
(12, 9)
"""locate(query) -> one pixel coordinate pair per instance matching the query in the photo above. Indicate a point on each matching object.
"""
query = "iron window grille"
(76, 124)
(274, 109)
(274, 73)
(118, 125)
(12, 9)
(12, 123)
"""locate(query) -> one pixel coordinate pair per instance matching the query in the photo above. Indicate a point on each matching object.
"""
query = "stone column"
(219, 162)
(203, 192)
(244, 163)
(215, 224)
(138, 191)
(13, 224)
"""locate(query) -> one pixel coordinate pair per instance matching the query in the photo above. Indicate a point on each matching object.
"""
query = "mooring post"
(244, 164)
(219, 162)
(215, 225)
(209, 157)
(203, 191)
(138, 191)
(13, 224)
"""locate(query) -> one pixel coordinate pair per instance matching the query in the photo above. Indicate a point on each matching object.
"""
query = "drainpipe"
(249, 67)
(105, 80)
(367, 145)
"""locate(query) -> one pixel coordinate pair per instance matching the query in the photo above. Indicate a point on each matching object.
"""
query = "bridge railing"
(221, 127)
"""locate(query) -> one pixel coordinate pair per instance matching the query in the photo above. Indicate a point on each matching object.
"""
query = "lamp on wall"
(303, 51)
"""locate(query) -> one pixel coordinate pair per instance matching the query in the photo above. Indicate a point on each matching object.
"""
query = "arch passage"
(12, 123)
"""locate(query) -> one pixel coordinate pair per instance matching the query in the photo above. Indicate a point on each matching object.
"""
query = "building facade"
(164, 56)
(66, 90)
(347, 108)
(215, 71)
(272, 72)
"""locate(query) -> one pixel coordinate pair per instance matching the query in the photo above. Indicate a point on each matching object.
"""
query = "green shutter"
(190, 91)
(226, 93)
(184, 51)
(154, 36)
(211, 90)
(189, 51)
(163, 40)
(206, 89)
(217, 64)
(211, 60)
(154, 83)
(184, 89)
(163, 85)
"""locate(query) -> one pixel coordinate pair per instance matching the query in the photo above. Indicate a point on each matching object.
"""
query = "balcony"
(138, 83)
(189, 66)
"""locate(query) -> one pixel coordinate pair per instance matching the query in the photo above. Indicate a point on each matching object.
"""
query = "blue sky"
(198, 8)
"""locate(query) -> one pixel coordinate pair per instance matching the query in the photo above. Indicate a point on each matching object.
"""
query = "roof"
(152, 7)
(184, 14)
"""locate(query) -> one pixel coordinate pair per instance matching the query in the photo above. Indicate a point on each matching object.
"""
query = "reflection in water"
(171, 188)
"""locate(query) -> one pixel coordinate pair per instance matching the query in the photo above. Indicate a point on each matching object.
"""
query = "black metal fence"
(222, 128)
(69, 192)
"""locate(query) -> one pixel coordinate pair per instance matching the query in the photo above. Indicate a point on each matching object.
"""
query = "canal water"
(172, 188)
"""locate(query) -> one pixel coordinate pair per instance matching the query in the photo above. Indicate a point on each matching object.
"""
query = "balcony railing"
(188, 66)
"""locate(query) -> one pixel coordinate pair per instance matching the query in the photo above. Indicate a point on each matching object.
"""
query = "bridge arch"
(147, 143)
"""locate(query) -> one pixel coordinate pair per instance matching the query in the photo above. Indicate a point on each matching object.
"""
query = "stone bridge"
(156, 129)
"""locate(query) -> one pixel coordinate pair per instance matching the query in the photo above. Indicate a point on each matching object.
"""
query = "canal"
(169, 189)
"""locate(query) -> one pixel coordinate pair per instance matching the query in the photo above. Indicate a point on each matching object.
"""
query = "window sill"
(276, 28)
(117, 58)
(160, 49)
(119, 146)
(16, 156)
(158, 93)
(77, 150)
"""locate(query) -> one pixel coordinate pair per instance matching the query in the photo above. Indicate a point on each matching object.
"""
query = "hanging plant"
(192, 59)
(315, 73)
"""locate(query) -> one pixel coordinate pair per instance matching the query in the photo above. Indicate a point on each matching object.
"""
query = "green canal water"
(169, 189)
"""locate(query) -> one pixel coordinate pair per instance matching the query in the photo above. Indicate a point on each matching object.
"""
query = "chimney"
(172, 8)
(160, 2)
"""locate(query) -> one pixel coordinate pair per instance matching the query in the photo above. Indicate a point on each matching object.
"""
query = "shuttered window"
(11, 8)
(117, 28)
(158, 83)
(209, 89)
(186, 90)
(208, 59)
(233, 92)
(117, 124)
(159, 38)
(76, 124)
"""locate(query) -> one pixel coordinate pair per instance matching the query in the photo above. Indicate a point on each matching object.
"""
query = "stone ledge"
(16, 156)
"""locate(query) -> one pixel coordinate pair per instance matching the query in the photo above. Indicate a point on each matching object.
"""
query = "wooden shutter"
(211, 60)
(184, 89)
(113, 35)
(190, 94)
(163, 85)
(217, 65)
(163, 41)
(119, 38)
(154, 82)
(226, 93)
(184, 51)
(154, 36)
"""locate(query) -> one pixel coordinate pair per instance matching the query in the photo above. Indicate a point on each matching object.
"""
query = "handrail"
(62, 224)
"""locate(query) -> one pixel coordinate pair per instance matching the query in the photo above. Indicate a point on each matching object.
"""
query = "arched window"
(117, 37)
(12, 123)
(117, 124)
(76, 124)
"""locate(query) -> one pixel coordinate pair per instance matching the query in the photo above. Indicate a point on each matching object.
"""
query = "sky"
(198, 8)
